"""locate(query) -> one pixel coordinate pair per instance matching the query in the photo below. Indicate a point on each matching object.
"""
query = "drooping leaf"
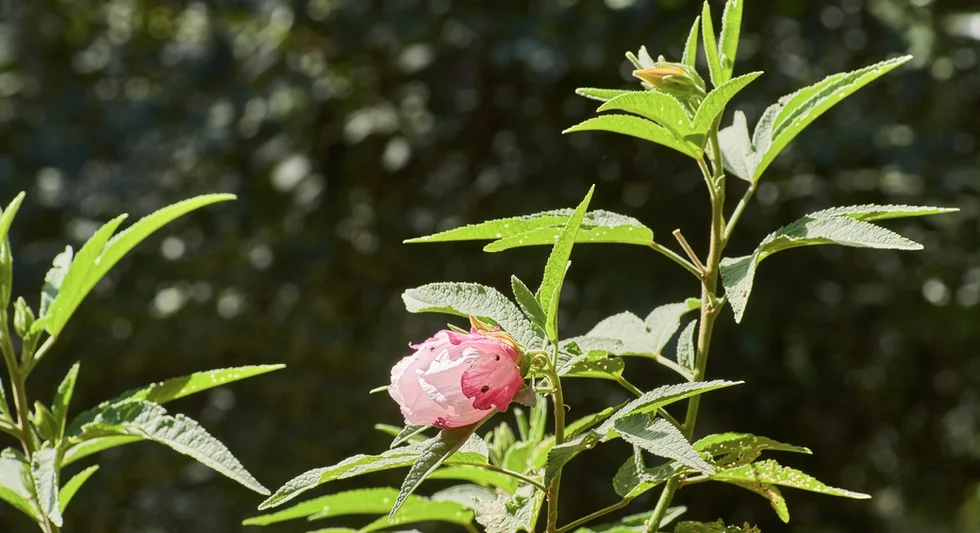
(510, 513)
(690, 56)
(663, 321)
(738, 155)
(801, 108)
(434, 452)
(474, 451)
(731, 23)
(16, 483)
(726, 443)
(636, 127)
(528, 303)
(657, 106)
(661, 397)
(634, 478)
(738, 274)
(149, 421)
(627, 334)
(714, 104)
(465, 299)
(44, 471)
(557, 265)
(711, 46)
(59, 408)
(565, 452)
(660, 438)
(773, 473)
(686, 352)
(74, 484)
(603, 95)
(769, 492)
(614, 230)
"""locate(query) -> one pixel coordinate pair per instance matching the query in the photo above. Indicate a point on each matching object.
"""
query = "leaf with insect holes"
(639, 128)
(557, 266)
(465, 299)
(846, 226)
(771, 472)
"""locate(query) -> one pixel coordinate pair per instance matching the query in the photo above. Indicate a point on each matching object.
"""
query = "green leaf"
(105, 257)
(657, 106)
(52, 282)
(539, 419)
(81, 450)
(59, 408)
(662, 397)
(627, 334)
(435, 451)
(686, 353)
(510, 513)
(714, 104)
(176, 388)
(663, 321)
(801, 108)
(7, 217)
(75, 285)
(633, 523)
(361, 501)
(409, 434)
(6, 258)
(872, 212)
(660, 438)
(140, 418)
(636, 127)
(4, 406)
(634, 478)
(557, 266)
(74, 484)
(738, 274)
(603, 95)
(773, 473)
(731, 23)
(711, 46)
(417, 510)
(44, 422)
(596, 365)
(561, 454)
(23, 317)
(626, 230)
(44, 471)
(16, 483)
(588, 421)
(726, 443)
(690, 57)
(477, 475)
(717, 526)
(528, 303)
(465, 299)
(769, 492)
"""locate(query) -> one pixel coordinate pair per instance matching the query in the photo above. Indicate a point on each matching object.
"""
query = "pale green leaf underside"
(557, 266)
(686, 353)
(634, 478)
(149, 421)
(510, 513)
(636, 336)
(660, 438)
(44, 470)
(16, 485)
(474, 451)
(773, 473)
(74, 484)
(738, 274)
(465, 299)
(636, 127)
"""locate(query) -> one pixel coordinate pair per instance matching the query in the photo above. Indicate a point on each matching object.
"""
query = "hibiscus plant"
(49, 441)
(514, 352)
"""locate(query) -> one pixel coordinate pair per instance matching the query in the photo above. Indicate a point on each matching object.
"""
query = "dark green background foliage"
(346, 126)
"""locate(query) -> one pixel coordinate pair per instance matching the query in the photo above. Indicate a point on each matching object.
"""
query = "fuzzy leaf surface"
(557, 265)
(773, 473)
(639, 128)
(662, 439)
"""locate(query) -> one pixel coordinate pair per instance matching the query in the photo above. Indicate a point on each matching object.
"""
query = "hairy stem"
(737, 214)
(673, 256)
(588, 518)
(504, 471)
(559, 401)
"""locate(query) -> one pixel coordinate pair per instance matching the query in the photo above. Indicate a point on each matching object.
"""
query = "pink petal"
(492, 381)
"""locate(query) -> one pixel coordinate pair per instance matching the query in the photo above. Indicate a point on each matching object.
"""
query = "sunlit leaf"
(557, 265)
(637, 127)
(74, 484)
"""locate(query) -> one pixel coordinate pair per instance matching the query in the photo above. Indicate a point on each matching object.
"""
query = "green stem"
(710, 308)
(737, 214)
(559, 402)
(511, 473)
(588, 518)
(673, 256)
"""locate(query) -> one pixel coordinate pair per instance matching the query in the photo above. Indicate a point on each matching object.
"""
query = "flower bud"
(456, 379)
(676, 79)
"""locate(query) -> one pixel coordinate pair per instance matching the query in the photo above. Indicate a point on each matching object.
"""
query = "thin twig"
(690, 252)
(504, 471)
(673, 256)
(604, 511)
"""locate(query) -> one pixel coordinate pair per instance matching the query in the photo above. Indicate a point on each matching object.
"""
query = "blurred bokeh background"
(346, 126)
